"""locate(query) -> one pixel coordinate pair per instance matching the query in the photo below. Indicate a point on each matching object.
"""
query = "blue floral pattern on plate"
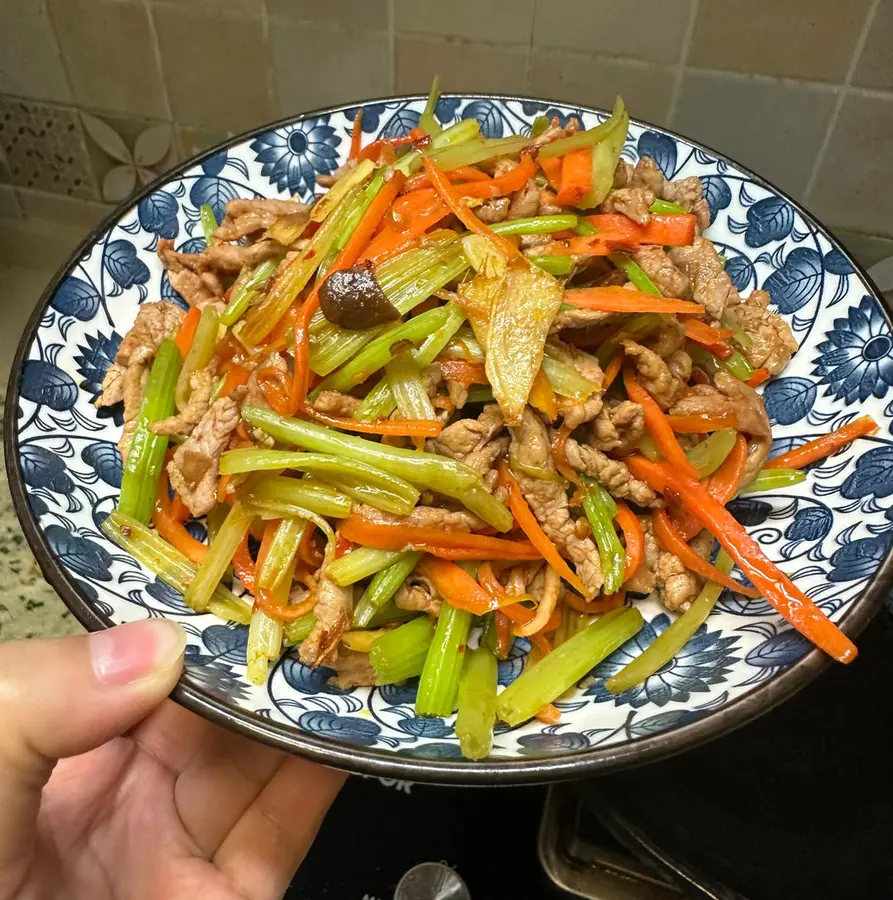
(830, 533)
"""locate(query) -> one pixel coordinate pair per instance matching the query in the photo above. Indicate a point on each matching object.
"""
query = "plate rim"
(381, 763)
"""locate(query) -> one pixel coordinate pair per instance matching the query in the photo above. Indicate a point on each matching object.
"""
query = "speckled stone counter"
(29, 607)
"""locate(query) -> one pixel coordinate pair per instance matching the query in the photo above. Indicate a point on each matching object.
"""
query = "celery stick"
(557, 265)
(549, 678)
(439, 683)
(738, 366)
(282, 495)
(199, 354)
(477, 704)
(408, 389)
(383, 586)
(666, 208)
(297, 630)
(380, 498)
(600, 510)
(635, 273)
(401, 653)
(710, 454)
(428, 119)
(537, 224)
(773, 479)
(471, 153)
(589, 138)
(360, 563)
(208, 222)
(564, 378)
(246, 290)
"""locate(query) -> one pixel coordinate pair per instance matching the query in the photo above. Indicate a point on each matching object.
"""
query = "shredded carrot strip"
(459, 175)
(222, 486)
(542, 397)
(548, 715)
(179, 510)
(633, 536)
(672, 542)
(464, 372)
(675, 230)
(187, 329)
(588, 245)
(399, 427)
(243, 565)
(702, 424)
(613, 368)
(559, 455)
(656, 422)
(460, 209)
(529, 525)
(285, 612)
(235, 377)
(618, 299)
(172, 530)
(456, 586)
(824, 445)
(759, 376)
(594, 607)
(356, 135)
(702, 333)
(552, 170)
(576, 177)
(503, 632)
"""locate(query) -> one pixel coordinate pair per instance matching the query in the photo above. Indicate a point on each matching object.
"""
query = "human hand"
(149, 802)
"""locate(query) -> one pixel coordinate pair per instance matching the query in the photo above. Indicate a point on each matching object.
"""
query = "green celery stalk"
(389, 613)
(383, 586)
(284, 496)
(648, 447)
(637, 327)
(556, 265)
(255, 460)
(439, 682)
(635, 273)
(740, 337)
(148, 548)
(703, 358)
(360, 563)
(480, 393)
(210, 571)
(139, 484)
(540, 124)
(458, 133)
(537, 224)
(353, 217)
(401, 653)
(605, 155)
(600, 510)
(666, 208)
(447, 476)
(380, 498)
(198, 355)
(477, 704)
(738, 366)
(671, 641)
(265, 635)
(571, 623)
(208, 221)
(709, 455)
(773, 479)
(464, 346)
(549, 678)
(359, 174)
(246, 289)
(280, 555)
(428, 119)
(564, 378)
(589, 138)
(298, 629)
(377, 353)
(407, 388)
(471, 153)
(490, 640)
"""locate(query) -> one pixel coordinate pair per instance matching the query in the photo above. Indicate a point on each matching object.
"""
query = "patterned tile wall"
(96, 96)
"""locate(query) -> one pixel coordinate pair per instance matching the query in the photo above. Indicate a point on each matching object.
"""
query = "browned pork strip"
(711, 285)
(333, 609)
(773, 342)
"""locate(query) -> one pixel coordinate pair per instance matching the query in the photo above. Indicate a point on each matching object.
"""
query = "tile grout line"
(528, 61)
(683, 60)
(838, 104)
(392, 46)
(272, 93)
(156, 53)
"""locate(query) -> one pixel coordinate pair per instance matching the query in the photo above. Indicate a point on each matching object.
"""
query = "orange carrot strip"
(179, 510)
(613, 368)
(671, 541)
(548, 715)
(503, 632)
(222, 485)
(464, 372)
(235, 377)
(824, 445)
(576, 177)
(666, 230)
(542, 397)
(559, 455)
(307, 550)
(633, 536)
(173, 531)
(186, 333)
(594, 607)
(618, 299)
(702, 424)
(458, 175)
(456, 586)
(395, 427)
(284, 612)
(460, 209)
(791, 602)
(356, 135)
(588, 245)
(759, 376)
(552, 170)
(702, 333)
(243, 565)
(502, 185)
(529, 525)
(656, 422)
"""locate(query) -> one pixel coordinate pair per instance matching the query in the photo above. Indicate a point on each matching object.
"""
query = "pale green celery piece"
(353, 217)
(592, 137)
(377, 353)
(148, 548)
(471, 153)
(274, 570)
(329, 200)
(389, 614)
(537, 224)
(139, 483)
(702, 357)
(710, 454)
(246, 290)
(480, 393)
(540, 124)
(477, 704)
(584, 228)
(552, 675)
(428, 119)
(662, 650)
(635, 273)
(299, 629)
(458, 133)
(605, 156)
(408, 389)
(208, 221)
(740, 336)
(571, 623)
(282, 495)
(401, 653)
(360, 563)
(406, 281)
(600, 510)
(439, 682)
(648, 447)
(258, 460)
(199, 354)
(212, 567)
(738, 366)
(372, 495)
(666, 208)
(383, 586)
(773, 479)
(637, 327)
(565, 379)
(555, 265)
(447, 476)
(265, 636)
(464, 346)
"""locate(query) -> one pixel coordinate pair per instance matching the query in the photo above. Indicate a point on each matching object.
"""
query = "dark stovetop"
(790, 806)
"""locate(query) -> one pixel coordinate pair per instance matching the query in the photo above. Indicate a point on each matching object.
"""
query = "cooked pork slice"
(577, 412)
(669, 338)
(135, 377)
(645, 173)
(427, 517)
(202, 385)
(333, 609)
(671, 280)
(245, 217)
(254, 396)
(419, 595)
(773, 342)
(154, 322)
(578, 318)
(196, 288)
(677, 586)
(352, 669)
(336, 404)
(689, 194)
(618, 427)
(612, 474)
(493, 210)
(633, 202)
(711, 285)
(655, 374)
(525, 202)
(474, 442)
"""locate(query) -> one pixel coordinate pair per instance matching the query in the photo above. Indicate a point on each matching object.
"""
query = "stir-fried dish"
(479, 391)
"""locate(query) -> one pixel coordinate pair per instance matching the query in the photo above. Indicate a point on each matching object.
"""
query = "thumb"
(66, 696)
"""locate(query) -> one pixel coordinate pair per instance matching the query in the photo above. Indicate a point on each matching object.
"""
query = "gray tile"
(193, 139)
(206, 83)
(109, 54)
(506, 21)
(361, 67)
(44, 148)
(771, 127)
(355, 14)
(462, 66)
(875, 66)
(641, 29)
(30, 64)
(866, 248)
(44, 243)
(854, 188)
(9, 204)
(812, 39)
(65, 211)
(592, 81)
(250, 7)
